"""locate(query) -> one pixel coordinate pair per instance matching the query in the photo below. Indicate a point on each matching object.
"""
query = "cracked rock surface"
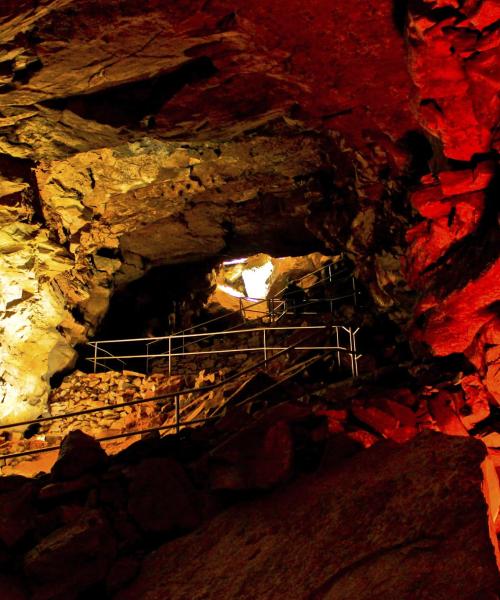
(136, 134)
(392, 522)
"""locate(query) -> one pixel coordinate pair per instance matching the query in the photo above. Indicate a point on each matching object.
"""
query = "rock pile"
(82, 391)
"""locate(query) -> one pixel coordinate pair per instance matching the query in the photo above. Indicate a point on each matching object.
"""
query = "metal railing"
(274, 309)
(176, 396)
(180, 345)
(344, 343)
(332, 277)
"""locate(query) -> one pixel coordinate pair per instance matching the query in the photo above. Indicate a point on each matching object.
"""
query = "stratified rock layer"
(391, 523)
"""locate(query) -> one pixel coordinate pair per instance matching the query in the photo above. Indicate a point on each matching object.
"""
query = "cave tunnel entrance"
(142, 308)
(173, 298)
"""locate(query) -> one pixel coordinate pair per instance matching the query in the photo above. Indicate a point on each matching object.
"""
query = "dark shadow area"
(416, 144)
(135, 104)
(473, 254)
(399, 14)
(23, 169)
(144, 306)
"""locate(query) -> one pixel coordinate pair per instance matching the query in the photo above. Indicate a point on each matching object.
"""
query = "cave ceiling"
(141, 133)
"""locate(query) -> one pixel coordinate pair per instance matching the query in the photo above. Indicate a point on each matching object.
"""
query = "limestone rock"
(393, 522)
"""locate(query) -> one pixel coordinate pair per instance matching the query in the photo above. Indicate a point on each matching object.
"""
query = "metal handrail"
(260, 300)
(207, 335)
(183, 334)
(200, 390)
(172, 338)
(163, 427)
(176, 395)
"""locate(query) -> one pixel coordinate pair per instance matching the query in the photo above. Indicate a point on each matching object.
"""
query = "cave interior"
(249, 299)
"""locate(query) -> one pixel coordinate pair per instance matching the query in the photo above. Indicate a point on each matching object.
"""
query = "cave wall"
(135, 134)
(452, 258)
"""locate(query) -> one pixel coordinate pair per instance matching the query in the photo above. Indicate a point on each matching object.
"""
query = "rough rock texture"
(453, 253)
(142, 133)
(71, 558)
(161, 497)
(90, 98)
(330, 520)
(392, 523)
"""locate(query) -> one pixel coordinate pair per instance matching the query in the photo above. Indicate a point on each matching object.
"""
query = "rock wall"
(329, 518)
(385, 524)
(145, 133)
(453, 259)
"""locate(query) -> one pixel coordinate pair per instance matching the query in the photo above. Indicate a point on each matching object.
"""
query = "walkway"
(295, 348)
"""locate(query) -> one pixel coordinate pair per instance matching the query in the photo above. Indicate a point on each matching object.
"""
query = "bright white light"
(235, 261)
(229, 290)
(257, 280)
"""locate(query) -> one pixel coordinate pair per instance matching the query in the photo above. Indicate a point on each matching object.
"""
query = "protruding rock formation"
(392, 522)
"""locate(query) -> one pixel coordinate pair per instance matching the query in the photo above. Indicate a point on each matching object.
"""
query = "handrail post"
(264, 344)
(338, 344)
(147, 359)
(177, 414)
(95, 357)
(169, 355)
(351, 344)
(355, 352)
(242, 311)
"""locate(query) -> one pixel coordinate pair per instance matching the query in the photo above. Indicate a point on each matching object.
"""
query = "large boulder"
(161, 497)
(395, 522)
(80, 453)
(71, 559)
(17, 509)
(12, 589)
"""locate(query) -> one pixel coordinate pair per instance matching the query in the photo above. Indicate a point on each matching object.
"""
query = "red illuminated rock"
(462, 182)
(389, 521)
(377, 419)
(476, 406)
(442, 408)
(363, 437)
(452, 325)
(335, 422)
(449, 94)
(455, 65)
(387, 414)
(486, 340)
(452, 218)
(259, 456)
(492, 379)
